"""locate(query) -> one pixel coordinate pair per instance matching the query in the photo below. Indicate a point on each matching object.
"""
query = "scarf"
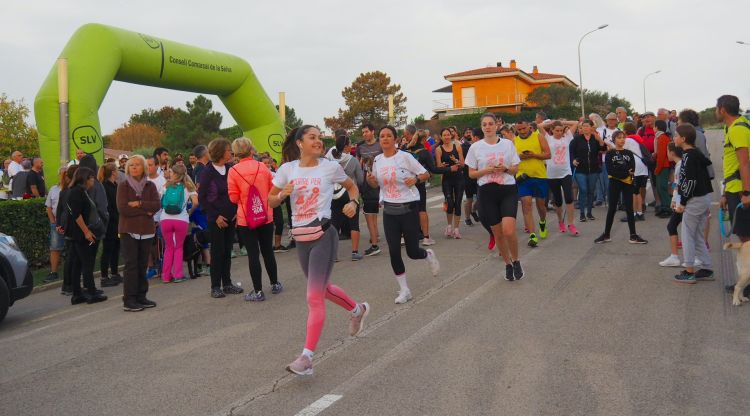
(137, 185)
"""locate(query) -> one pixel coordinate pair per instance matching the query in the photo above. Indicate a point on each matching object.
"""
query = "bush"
(27, 222)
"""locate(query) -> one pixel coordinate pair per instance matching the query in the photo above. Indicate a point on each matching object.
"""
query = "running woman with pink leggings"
(309, 181)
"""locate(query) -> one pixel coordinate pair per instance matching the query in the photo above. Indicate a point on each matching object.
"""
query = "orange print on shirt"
(561, 153)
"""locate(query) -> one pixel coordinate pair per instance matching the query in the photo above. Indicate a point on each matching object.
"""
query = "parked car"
(16, 281)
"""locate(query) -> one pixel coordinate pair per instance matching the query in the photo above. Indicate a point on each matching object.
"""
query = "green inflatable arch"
(98, 55)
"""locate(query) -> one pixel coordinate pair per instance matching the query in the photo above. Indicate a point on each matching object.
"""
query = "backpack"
(647, 158)
(254, 209)
(173, 200)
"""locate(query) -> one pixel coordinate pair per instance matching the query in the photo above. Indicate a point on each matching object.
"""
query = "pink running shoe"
(562, 226)
(302, 366)
(491, 244)
(573, 230)
(448, 231)
(456, 234)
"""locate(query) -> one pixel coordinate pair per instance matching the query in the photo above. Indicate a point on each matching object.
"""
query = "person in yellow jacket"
(532, 178)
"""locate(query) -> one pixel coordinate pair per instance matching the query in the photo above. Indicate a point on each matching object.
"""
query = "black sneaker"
(280, 249)
(276, 288)
(475, 216)
(50, 278)
(96, 298)
(78, 299)
(232, 289)
(509, 272)
(640, 217)
(108, 282)
(590, 217)
(372, 251)
(468, 222)
(217, 293)
(292, 244)
(706, 275)
(517, 270)
(132, 307)
(146, 303)
(604, 238)
(636, 239)
(582, 219)
(117, 278)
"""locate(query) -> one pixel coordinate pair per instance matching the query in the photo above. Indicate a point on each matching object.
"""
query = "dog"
(191, 251)
(743, 270)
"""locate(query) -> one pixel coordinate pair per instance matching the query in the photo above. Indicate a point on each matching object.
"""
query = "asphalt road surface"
(592, 329)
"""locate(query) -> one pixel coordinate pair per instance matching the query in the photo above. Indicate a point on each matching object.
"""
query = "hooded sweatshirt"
(351, 167)
(693, 179)
(662, 158)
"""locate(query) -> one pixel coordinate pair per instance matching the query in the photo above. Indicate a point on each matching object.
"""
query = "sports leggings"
(406, 225)
(616, 188)
(316, 258)
(174, 232)
(453, 190)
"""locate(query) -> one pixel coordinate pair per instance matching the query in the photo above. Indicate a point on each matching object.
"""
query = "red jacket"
(662, 158)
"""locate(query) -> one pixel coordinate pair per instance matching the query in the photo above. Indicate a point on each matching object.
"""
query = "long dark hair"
(290, 150)
(391, 128)
(82, 175)
(341, 142)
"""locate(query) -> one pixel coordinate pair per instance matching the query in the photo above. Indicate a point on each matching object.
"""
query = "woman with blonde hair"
(174, 221)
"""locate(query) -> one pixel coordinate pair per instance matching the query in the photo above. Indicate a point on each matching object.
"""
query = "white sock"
(307, 353)
(401, 279)
(357, 310)
(638, 213)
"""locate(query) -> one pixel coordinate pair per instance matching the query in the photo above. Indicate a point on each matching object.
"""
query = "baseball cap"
(122, 156)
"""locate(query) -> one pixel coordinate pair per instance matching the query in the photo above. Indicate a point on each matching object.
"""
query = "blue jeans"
(602, 186)
(586, 188)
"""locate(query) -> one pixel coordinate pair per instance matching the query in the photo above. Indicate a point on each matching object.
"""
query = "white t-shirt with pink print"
(391, 173)
(313, 189)
(482, 155)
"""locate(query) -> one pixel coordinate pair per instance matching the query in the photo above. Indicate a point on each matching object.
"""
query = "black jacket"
(114, 217)
(586, 152)
(620, 164)
(694, 179)
(78, 204)
(213, 194)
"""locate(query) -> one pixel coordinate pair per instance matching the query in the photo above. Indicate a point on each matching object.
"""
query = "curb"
(58, 283)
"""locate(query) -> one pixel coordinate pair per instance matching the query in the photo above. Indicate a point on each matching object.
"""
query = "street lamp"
(580, 73)
(743, 43)
(644, 87)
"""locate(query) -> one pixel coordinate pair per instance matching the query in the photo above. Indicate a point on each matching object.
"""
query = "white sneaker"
(433, 262)
(456, 234)
(671, 261)
(403, 296)
(449, 231)
(428, 242)
(403, 243)
(358, 322)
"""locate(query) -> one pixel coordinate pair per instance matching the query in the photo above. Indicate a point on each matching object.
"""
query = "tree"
(157, 118)
(16, 133)
(133, 136)
(183, 129)
(367, 101)
(565, 98)
(708, 117)
(292, 121)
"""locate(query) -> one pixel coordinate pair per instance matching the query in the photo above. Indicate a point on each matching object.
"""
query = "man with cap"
(606, 131)
(121, 160)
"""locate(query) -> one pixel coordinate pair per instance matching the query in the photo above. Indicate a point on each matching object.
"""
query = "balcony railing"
(481, 102)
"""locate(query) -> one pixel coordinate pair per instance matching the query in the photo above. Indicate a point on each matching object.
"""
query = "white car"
(16, 280)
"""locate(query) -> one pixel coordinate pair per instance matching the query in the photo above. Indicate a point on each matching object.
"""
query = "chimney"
(499, 64)
(512, 64)
(535, 70)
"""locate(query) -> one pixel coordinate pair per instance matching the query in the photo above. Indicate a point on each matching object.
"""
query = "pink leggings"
(317, 258)
(173, 232)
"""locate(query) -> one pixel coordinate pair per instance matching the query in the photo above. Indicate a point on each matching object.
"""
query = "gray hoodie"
(351, 167)
(700, 144)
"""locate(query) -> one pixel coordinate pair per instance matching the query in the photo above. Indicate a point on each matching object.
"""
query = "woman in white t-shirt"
(559, 173)
(396, 172)
(309, 183)
(174, 226)
(493, 162)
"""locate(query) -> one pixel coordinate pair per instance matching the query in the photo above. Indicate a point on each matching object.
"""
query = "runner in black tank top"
(448, 154)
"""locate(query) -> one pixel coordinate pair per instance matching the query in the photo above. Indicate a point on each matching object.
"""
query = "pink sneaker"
(573, 230)
(562, 226)
(448, 231)
(456, 234)
(491, 244)
(358, 322)
(302, 366)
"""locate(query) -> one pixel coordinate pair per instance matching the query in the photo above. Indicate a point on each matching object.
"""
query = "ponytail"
(341, 142)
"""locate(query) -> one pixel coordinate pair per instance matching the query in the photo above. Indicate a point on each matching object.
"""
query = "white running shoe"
(403, 297)
(671, 261)
(428, 242)
(433, 262)
(358, 322)
(449, 231)
(456, 234)
(302, 366)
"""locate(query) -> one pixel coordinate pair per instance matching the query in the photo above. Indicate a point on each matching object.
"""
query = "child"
(675, 155)
(620, 167)
(694, 186)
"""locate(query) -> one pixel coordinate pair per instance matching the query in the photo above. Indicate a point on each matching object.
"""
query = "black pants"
(453, 190)
(343, 224)
(278, 221)
(72, 263)
(615, 189)
(259, 241)
(288, 206)
(222, 240)
(135, 253)
(407, 225)
(674, 222)
(83, 267)
(110, 256)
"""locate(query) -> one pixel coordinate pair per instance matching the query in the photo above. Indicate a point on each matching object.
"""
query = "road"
(592, 329)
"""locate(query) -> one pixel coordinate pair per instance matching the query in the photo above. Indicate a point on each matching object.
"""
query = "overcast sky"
(313, 49)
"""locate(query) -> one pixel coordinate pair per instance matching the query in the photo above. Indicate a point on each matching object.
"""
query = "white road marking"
(321, 404)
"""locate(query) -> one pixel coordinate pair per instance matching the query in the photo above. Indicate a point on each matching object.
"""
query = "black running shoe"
(232, 289)
(636, 239)
(217, 293)
(475, 216)
(276, 288)
(582, 219)
(509, 272)
(146, 303)
(604, 238)
(590, 217)
(372, 251)
(468, 222)
(132, 307)
(517, 270)
(704, 275)
(108, 282)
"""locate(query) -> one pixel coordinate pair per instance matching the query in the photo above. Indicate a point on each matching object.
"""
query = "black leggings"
(86, 255)
(110, 256)
(674, 222)
(407, 225)
(278, 221)
(222, 240)
(615, 189)
(259, 241)
(453, 190)
(562, 187)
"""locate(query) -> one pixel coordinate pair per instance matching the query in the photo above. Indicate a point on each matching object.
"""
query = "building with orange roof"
(494, 88)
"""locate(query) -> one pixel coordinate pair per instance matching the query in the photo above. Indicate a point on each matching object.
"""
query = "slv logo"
(87, 139)
(275, 141)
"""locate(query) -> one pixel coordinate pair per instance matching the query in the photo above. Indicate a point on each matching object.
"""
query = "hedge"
(27, 222)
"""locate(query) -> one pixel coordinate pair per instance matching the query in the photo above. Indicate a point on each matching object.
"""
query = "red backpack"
(255, 210)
